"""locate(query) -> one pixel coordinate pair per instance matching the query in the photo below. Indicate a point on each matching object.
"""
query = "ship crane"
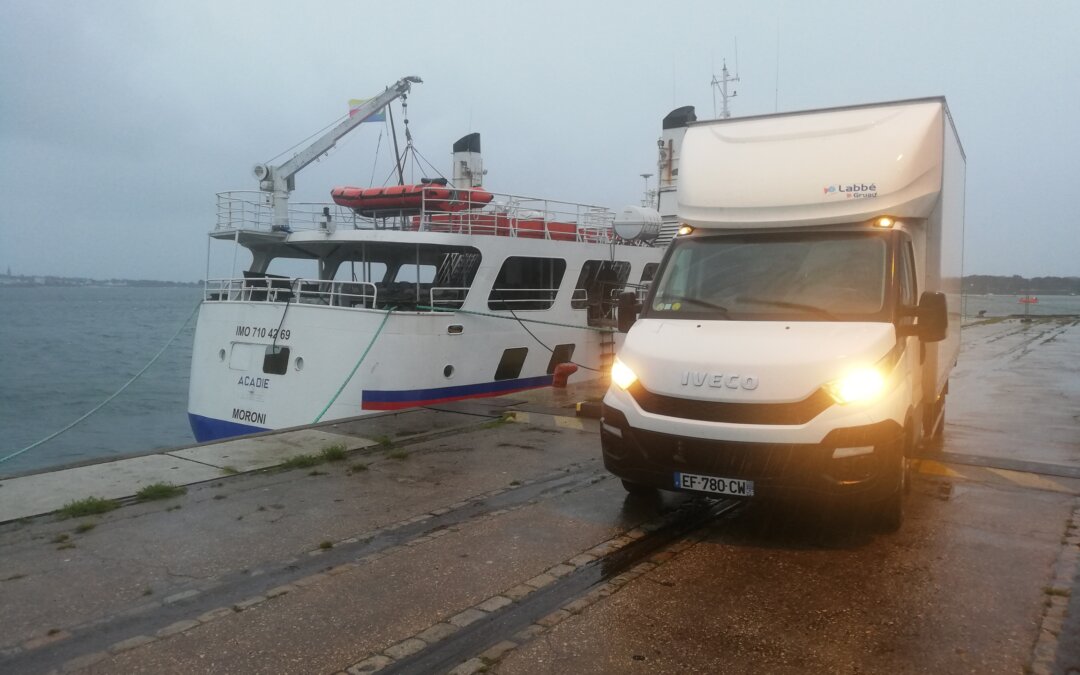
(279, 180)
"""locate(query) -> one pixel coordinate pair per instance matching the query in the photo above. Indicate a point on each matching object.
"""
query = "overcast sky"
(119, 121)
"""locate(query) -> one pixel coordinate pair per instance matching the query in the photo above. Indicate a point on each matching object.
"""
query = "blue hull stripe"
(466, 390)
(210, 429)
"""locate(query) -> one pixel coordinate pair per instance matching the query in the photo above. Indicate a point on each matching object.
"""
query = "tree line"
(981, 284)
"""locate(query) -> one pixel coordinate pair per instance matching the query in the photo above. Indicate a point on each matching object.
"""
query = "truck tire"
(887, 513)
(636, 488)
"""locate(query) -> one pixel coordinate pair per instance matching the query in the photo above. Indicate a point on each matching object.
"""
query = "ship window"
(276, 360)
(510, 364)
(527, 283)
(360, 270)
(561, 354)
(416, 273)
(598, 286)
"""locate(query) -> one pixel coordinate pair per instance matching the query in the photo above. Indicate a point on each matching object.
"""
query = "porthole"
(448, 371)
(299, 363)
(221, 355)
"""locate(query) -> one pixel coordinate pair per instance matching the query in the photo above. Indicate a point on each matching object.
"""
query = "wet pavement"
(453, 540)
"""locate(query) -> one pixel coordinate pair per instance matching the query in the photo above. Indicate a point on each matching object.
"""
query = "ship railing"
(513, 299)
(505, 215)
(349, 294)
(356, 294)
(447, 297)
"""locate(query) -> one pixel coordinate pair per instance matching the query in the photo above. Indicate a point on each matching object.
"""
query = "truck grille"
(755, 461)
(799, 412)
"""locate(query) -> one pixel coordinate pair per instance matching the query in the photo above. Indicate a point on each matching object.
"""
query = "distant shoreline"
(34, 281)
(975, 284)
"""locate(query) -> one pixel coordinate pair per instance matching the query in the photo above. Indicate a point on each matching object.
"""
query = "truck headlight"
(859, 386)
(622, 375)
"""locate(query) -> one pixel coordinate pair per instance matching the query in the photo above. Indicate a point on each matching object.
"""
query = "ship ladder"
(607, 350)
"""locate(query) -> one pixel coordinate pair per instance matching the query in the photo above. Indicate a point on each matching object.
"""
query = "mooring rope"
(114, 395)
(514, 318)
(348, 379)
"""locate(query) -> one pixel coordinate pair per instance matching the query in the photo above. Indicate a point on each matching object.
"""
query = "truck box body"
(810, 238)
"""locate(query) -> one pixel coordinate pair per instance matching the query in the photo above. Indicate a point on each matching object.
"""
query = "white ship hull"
(418, 357)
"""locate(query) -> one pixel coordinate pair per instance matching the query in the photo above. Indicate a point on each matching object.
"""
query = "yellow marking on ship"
(933, 468)
(1030, 480)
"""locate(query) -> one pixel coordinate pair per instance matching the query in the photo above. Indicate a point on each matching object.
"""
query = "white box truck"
(799, 334)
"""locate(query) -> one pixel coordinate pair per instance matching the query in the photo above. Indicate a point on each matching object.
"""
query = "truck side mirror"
(628, 310)
(933, 317)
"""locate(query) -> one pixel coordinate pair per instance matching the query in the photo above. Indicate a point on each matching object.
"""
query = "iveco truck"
(798, 337)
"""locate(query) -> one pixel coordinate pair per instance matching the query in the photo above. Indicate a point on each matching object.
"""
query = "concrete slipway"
(451, 540)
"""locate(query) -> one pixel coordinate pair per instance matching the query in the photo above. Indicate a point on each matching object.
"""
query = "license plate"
(734, 487)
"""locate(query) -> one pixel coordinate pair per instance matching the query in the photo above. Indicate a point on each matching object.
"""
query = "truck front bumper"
(849, 460)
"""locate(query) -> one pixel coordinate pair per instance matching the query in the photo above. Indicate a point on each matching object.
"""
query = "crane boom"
(278, 180)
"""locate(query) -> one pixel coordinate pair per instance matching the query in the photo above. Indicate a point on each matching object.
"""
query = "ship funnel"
(670, 149)
(468, 165)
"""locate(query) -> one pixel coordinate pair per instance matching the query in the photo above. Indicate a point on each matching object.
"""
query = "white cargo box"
(818, 167)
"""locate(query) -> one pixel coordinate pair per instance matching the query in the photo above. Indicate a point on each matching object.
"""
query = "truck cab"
(797, 342)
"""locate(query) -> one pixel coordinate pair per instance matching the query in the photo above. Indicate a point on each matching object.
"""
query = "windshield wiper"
(788, 305)
(696, 301)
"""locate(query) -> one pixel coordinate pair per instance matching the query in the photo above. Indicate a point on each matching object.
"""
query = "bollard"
(563, 371)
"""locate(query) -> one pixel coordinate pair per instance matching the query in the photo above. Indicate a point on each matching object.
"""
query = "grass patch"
(229, 470)
(60, 538)
(156, 491)
(398, 454)
(358, 467)
(68, 544)
(316, 472)
(515, 483)
(1059, 592)
(494, 424)
(148, 591)
(301, 462)
(174, 508)
(384, 440)
(84, 527)
(334, 453)
(91, 506)
(326, 545)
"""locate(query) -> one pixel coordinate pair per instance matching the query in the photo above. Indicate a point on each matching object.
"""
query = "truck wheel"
(887, 513)
(636, 488)
(939, 430)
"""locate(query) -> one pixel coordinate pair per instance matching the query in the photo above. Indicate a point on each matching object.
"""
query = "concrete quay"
(485, 536)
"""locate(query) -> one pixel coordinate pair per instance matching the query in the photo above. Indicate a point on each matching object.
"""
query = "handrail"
(504, 215)
(322, 292)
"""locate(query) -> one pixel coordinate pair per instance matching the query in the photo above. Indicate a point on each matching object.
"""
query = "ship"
(414, 295)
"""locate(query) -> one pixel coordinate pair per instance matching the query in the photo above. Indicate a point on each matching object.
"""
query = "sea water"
(65, 349)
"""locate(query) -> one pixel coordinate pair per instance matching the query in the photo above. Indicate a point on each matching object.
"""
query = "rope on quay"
(114, 395)
(363, 356)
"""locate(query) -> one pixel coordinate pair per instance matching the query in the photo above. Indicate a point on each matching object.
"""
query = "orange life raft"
(409, 199)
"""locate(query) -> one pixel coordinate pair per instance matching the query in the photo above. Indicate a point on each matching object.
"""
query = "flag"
(354, 107)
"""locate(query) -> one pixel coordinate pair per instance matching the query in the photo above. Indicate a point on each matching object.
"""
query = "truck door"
(915, 350)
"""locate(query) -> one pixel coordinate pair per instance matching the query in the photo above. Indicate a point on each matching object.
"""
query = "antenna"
(721, 86)
(647, 200)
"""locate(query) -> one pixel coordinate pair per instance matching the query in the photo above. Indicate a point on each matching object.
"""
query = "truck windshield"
(804, 277)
